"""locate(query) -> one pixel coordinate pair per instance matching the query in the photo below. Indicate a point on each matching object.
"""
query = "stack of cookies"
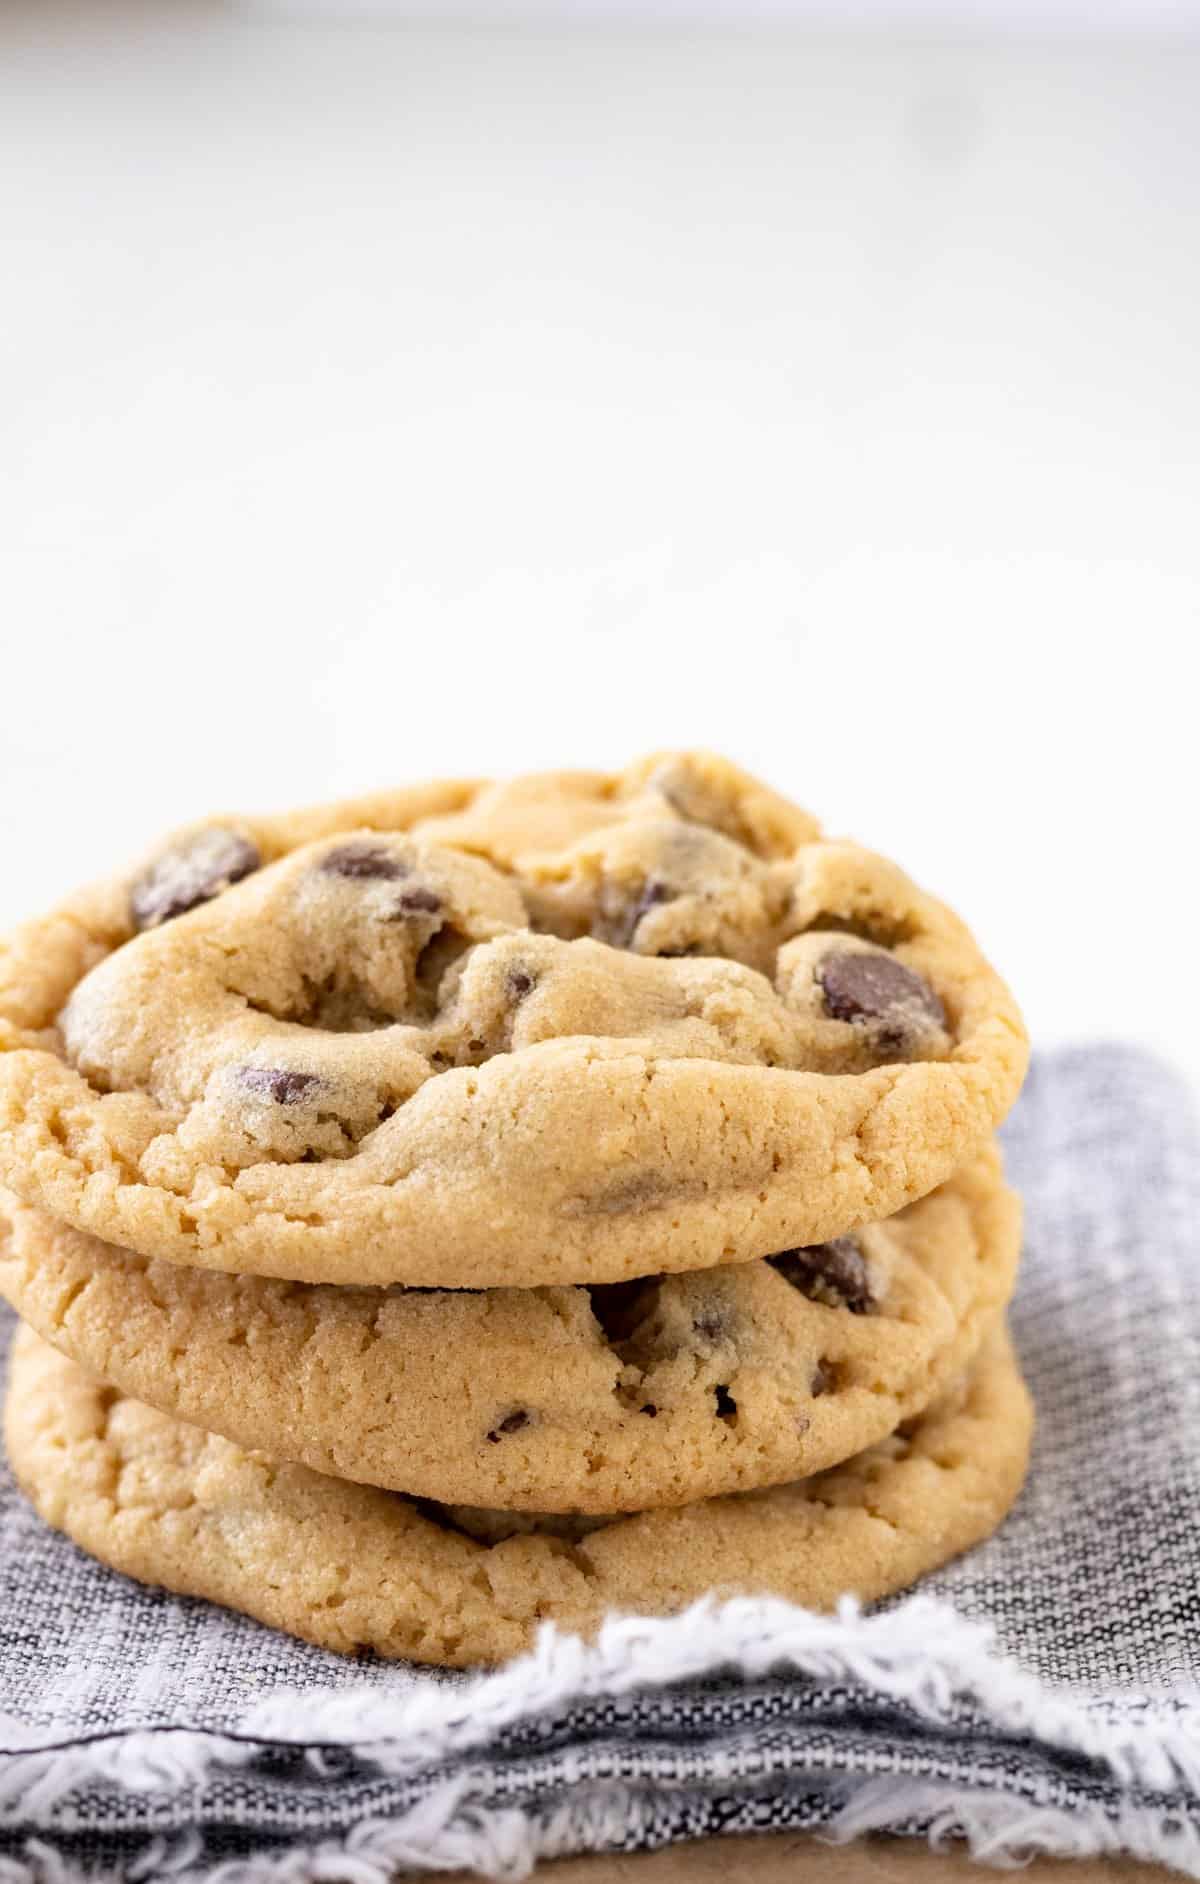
(491, 1203)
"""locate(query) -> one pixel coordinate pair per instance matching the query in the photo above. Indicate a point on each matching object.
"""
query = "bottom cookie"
(350, 1567)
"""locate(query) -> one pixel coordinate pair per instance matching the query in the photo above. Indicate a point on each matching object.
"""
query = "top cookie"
(566, 1029)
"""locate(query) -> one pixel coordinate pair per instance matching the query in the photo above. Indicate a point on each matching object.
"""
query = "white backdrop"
(379, 401)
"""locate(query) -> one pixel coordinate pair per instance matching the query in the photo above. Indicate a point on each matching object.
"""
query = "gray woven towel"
(1041, 1694)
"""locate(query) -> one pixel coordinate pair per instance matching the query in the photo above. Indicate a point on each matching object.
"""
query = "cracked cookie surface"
(531, 1033)
(618, 1397)
(350, 1567)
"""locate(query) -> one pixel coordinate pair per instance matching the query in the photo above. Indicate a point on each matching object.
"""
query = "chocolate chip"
(835, 1273)
(275, 1083)
(878, 992)
(711, 1323)
(654, 892)
(649, 1410)
(825, 1378)
(190, 873)
(639, 1193)
(726, 1404)
(363, 863)
(418, 902)
(511, 1423)
(519, 983)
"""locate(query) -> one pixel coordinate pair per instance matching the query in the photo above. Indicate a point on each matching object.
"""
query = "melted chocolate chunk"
(511, 1423)
(370, 863)
(654, 892)
(726, 1404)
(711, 1323)
(275, 1083)
(835, 1273)
(519, 983)
(190, 873)
(878, 992)
(418, 902)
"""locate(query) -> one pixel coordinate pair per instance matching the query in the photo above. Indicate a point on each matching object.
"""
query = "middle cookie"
(611, 1398)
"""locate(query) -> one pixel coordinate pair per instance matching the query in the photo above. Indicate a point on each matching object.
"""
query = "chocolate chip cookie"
(555, 1031)
(617, 1397)
(350, 1567)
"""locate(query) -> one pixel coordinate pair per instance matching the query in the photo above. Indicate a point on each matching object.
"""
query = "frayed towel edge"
(920, 1653)
(444, 1833)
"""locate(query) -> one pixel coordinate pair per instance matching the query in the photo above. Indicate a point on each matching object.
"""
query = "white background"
(378, 401)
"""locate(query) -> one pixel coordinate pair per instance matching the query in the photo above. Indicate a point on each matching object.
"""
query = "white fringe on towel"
(921, 1653)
